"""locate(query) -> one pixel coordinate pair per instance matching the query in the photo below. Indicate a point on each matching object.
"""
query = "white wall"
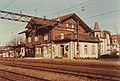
(72, 50)
(89, 51)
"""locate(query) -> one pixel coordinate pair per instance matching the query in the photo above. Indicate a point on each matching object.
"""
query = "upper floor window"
(45, 36)
(62, 35)
(67, 24)
(72, 26)
(29, 39)
(103, 34)
(36, 38)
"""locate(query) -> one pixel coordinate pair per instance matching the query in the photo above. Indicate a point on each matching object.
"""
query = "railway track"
(13, 76)
(69, 70)
(79, 64)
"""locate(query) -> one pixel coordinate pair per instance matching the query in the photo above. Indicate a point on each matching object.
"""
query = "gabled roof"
(76, 18)
(62, 18)
(54, 22)
(41, 21)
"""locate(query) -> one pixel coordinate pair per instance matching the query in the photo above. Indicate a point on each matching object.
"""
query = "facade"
(63, 37)
(105, 40)
(116, 44)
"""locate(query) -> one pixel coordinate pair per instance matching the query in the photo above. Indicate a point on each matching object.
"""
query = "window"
(45, 36)
(62, 35)
(72, 26)
(93, 49)
(29, 39)
(36, 38)
(38, 50)
(85, 49)
(103, 34)
(67, 24)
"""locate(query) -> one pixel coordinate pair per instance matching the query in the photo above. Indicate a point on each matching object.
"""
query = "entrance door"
(62, 50)
(30, 52)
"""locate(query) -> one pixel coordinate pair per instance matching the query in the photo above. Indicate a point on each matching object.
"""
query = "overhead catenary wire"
(10, 31)
(94, 3)
(89, 4)
(30, 6)
(8, 4)
(102, 14)
(78, 5)
(69, 8)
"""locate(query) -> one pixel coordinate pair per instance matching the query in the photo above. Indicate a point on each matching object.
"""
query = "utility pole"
(78, 52)
(51, 44)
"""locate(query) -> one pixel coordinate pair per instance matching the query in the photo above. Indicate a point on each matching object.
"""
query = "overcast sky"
(105, 11)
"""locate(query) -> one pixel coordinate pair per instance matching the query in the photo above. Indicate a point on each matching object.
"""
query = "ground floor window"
(38, 51)
(93, 49)
(85, 49)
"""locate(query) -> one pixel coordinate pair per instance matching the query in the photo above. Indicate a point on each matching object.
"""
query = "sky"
(106, 12)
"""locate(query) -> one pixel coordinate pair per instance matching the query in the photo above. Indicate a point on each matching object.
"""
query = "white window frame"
(61, 35)
(67, 24)
(29, 39)
(45, 36)
(36, 38)
(72, 26)
(38, 50)
(86, 49)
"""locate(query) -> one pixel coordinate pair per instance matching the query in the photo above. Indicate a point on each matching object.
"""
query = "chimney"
(44, 17)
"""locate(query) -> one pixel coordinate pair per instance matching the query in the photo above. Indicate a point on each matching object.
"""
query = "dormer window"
(67, 24)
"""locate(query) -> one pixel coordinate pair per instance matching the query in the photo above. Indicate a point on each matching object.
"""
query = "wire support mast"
(15, 16)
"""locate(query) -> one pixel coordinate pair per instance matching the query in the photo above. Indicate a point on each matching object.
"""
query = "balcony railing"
(80, 37)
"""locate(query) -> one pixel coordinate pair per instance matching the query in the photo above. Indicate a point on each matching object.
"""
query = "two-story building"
(63, 37)
(105, 40)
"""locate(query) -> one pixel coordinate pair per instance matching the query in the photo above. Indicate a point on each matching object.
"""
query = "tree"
(17, 40)
(16, 43)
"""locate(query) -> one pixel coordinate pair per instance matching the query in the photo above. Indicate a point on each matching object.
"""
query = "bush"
(58, 57)
(109, 56)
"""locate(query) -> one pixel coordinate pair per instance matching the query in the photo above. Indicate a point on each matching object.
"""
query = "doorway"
(62, 50)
